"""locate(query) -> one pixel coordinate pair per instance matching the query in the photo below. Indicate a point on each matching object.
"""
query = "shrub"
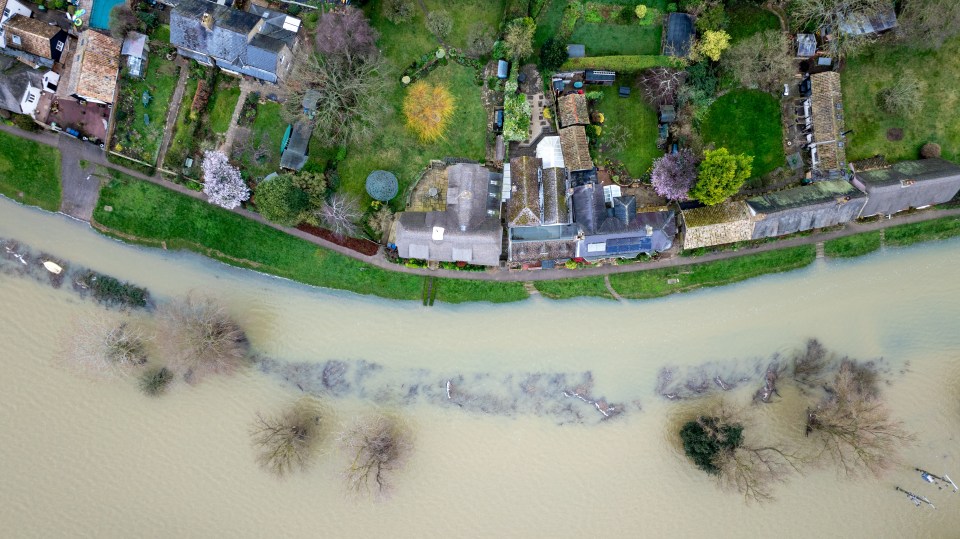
(905, 96)
(672, 7)
(479, 39)
(713, 43)
(397, 11)
(428, 110)
(930, 150)
(720, 175)
(518, 38)
(640, 11)
(571, 14)
(553, 54)
(280, 201)
(440, 23)
(111, 291)
(516, 117)
(154, 381)
(705, 438)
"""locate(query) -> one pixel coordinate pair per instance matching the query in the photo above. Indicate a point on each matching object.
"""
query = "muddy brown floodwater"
(520, 449)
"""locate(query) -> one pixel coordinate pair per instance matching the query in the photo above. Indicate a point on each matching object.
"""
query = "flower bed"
(365, 247)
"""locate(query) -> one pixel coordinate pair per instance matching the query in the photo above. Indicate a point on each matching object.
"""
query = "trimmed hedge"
(627, 63)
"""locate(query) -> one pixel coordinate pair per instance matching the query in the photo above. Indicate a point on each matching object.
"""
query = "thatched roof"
(576, 149)
(573, 110)
(523, 208)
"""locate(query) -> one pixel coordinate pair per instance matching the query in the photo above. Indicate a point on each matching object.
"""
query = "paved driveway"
(80, 187)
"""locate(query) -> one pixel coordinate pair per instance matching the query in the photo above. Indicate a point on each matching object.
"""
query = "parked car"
(73, 132)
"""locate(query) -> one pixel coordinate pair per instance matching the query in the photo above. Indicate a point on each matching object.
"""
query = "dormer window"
(59, 46)
(16, 39)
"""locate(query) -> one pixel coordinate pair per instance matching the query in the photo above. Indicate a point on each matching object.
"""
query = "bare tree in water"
(288, 441)
(854, 425)
(197, 337)
(378, 446)
(105, 346)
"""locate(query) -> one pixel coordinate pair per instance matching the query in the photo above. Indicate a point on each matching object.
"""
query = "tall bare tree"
(853, 424)
(763, 60)
(287, 442)
(928, 24)
(197, 336)
(105, 346)
(378, 446)
(660, 84)
(340, 214)
(831, 14)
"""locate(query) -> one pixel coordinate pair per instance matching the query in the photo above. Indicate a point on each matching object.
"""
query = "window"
(59, 46)
(16, 39)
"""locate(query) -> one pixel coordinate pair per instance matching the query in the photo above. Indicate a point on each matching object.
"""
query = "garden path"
(99, 158)
(606, 282)
(232, 130)
(176, 101)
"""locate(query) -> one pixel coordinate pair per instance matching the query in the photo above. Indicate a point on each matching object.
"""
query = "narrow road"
(175, 103)
(94, 155)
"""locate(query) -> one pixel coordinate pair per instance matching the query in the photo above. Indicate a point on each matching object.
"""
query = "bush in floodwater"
(111, 291)
(378, 446)
(288, 441)
(197, 337)
(705, 438)
(154, 381)
(105, 346)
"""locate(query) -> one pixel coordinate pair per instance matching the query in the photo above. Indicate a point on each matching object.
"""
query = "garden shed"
(907, 184)
(806, 45)
(597, 76)
(576, 50)
(503, 69)
(134, 49)
(817, 205)
(294, 155)
(679, 35)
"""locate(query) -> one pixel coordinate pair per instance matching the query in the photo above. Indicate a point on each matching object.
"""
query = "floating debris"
(916, 498)
(937, 480)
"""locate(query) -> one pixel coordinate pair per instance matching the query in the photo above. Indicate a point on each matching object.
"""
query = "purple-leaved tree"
(674, 174)
(222, 182)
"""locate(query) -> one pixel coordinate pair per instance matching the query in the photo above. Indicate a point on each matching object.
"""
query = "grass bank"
(850, 246)
(152, 215)
(574, 288)
(936, 229)
(656, 282)
(30, 172)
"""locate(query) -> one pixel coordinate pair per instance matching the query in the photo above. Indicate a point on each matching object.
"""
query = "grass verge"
(654, 283)
(574, 288)
(152, 215)
(936, 229)
(850, 246)
(30, 169)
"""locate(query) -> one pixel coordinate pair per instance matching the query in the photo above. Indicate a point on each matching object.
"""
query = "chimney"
(207, 21)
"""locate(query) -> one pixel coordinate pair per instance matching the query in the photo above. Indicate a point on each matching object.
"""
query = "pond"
(95, 457)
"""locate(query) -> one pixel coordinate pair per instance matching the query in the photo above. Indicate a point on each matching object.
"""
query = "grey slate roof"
(625, 233)
(14, 79)
(295, 155)
(908, 184)
(471, 223)
(818, 205)
(537, 243)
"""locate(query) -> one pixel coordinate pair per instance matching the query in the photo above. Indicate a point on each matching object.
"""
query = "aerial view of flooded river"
(515, 451)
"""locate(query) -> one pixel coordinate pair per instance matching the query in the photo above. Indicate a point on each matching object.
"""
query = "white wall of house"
(50, 81)
(14, 7)
(30, 100)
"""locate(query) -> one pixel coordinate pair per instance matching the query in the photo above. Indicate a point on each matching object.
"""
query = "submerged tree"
(853, 424)
(288, 441)
(378, 446)
(154, 381)
(197, 337)
(103, 346)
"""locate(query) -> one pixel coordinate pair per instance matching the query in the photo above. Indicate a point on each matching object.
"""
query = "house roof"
(523, 208)
(576, 151)
(310, 98)
(555, 208)
(533, 243)
(827, 110)
(870, 23)
(34, 34)
(573, 110)
(908, 184)
(589, 209)
(806, 45)
(95, 67)
(679, 36)
(646, 232)
(548, 150)
(294, 157)
(727, 222)
(15, 77)
(832, 192)
(135, 44)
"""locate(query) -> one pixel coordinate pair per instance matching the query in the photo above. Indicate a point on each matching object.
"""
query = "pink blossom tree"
(222, 182)
(674, 174)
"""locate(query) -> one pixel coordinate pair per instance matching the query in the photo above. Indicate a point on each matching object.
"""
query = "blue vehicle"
(73, 132)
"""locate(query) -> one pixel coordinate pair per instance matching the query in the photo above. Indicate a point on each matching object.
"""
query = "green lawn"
(574, 288)
(850, 246)
(633, 112)
(653, 283)
(268, 129)
(222, 104)
(402, 43)
(939, 120)
(937, 229)
(549, 21)
(150, 214)
(618, 39)
(137, 138)
(746, 20)
(32, 169)
(182, 142)
(397, 149)
(465, 14)
(162, 34)
(747, 121)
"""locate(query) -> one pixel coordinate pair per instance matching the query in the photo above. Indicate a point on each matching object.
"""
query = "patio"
(91, 119)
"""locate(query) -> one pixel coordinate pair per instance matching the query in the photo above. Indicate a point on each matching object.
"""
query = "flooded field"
(508, 404)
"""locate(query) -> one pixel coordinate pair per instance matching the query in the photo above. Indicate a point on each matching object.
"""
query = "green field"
(879, 67)
(574, 288)
(746, 20)
(150, 214)
(31, 169)
(633, 112)
(747, 121)
(182, 142)
(654, 283)
(850, 246)
(267, 131)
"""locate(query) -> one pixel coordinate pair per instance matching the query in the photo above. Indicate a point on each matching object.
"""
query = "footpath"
(99, 158)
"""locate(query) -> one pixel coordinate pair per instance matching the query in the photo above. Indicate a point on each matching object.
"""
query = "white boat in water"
(52, 267)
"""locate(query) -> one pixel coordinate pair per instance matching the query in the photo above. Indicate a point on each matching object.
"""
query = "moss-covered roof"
(806, 195)
(726, 212)
(922, 170)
